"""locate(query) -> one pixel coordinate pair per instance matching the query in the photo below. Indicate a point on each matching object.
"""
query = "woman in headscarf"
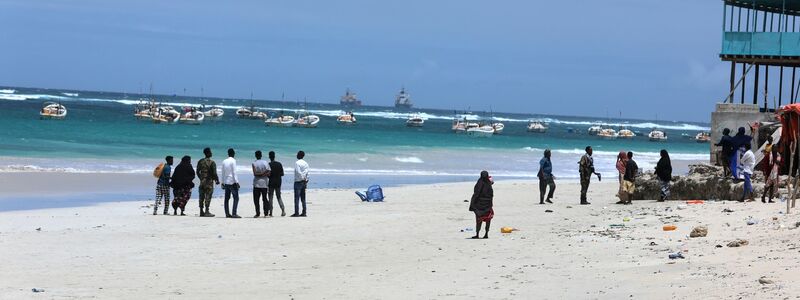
(622, 160)
(664, 173)
(481, 204)
(738, 142)
(772, 174)
(182, 184)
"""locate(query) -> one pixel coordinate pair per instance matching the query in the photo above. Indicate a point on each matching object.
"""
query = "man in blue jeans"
(300, 183)
(230, 183)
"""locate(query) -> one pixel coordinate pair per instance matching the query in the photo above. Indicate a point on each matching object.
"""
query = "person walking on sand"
(546, 178)
(207, 173)
(586, 169)
(274, 187)
(629, 184)
(622, 159)
(260, 184)
(482, 203)
(182, 184)
(230, 183)
(664, 174)
(773, 168)
(162, 186)
(726, 153)
(748, 163)
(300, 183)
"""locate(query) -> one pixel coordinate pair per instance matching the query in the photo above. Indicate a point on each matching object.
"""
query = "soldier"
(207, 172)
(586, 168)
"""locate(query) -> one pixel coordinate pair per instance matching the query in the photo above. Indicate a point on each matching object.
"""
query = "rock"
(703, 182)
(727, 210)
(699, 231)
(752, 222)
(548, 211)
(738, 243)
(35, 290)
(676, 255)
(39, 229)
(765, 280)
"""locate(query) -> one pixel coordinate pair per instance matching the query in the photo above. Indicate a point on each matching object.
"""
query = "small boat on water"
(306, 120)
(250, 113)
(498, 127)
(166, 115)
(145, 109)
(657, 135)
(280, 121)
(192, 116)
(214, 112)
(346, 118)
(415, 120)
(53, 111)
(595, 129)
(481, 131)
(625, 133)
(537, 126)
(607, 133)
(703, 137)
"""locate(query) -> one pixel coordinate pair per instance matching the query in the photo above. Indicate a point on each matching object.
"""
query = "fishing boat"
(347, 118)
(214, 113)
(192, 116)
(498, 127)
(703, 137)
(625, 133)
(53, 111)
(306, 120)
(403, 100)
(349, 99)
(145, 109)
(415, 120)
(481, 131)
(657, 135)
(166, 115)
(537, 126)
(607, 133)
(280, 121)
(595, 129)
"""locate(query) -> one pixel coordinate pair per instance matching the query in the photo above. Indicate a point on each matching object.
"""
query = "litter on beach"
(669, 227)
(507, 229)
(695, 201)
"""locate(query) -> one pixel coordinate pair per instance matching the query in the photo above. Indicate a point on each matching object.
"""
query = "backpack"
(159, 169)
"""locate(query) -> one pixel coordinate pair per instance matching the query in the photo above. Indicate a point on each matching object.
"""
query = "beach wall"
(733, 116)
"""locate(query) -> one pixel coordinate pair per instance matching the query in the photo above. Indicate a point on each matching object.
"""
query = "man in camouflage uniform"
(207, 172)
(586, 168)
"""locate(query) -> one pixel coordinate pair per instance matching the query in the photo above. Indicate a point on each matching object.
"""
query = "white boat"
(280, 121)
(166, 115)
(498, 127)
(306, 120)
(481, 131)
(657, 136)
(462, 125)
(192, 116)
(145, 109)
(537, 126)
(52, 110)
(346, 119)
(703, 137)
(415, 120)
(214, 113)
(595, 129)
(607, 133)
(244, 113)
(626, 133)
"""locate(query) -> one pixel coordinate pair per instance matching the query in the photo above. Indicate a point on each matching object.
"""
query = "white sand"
(410, 247)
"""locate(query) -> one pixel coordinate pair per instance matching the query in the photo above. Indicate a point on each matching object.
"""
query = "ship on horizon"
(349, 99)
(403, 100)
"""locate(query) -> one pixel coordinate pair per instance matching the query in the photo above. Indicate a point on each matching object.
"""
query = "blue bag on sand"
(374, 194)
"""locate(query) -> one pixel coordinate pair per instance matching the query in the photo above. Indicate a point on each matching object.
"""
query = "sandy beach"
(415, 245)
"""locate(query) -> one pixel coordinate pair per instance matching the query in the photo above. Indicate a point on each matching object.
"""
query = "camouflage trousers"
(206, 192)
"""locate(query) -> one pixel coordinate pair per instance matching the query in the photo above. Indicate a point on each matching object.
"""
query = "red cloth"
(486, 218)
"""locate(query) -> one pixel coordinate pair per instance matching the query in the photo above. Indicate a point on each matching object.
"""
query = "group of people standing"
(739, 163)
(267, 179)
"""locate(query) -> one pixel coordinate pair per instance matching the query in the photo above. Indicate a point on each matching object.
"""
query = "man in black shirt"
(631, 170)
(725, 154)
(274, 186)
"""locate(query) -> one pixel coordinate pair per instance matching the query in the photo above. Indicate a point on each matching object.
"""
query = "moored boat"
(703, 137)
(306, 120)
(537, 126)
(415, 120)
(346, 118)
(626, 133)
(657, 135)
(52, 110)
(280, 121)
(192, 116)
(214, 112)
(607, 133)
(481, 131)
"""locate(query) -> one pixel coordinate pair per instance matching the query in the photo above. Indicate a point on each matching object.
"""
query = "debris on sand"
(765, 280)
(738, 243)
(699, 231)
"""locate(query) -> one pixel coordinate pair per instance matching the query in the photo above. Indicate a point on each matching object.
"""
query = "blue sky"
(641, 57)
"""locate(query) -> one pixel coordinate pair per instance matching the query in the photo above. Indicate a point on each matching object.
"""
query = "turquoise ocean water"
(100, 134)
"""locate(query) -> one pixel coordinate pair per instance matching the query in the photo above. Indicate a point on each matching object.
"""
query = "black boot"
(208, 213)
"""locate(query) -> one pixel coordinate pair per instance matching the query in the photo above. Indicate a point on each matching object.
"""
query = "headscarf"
(664, 166)
(485, 177)
(184, 174)
(622, 159)
(740, 138)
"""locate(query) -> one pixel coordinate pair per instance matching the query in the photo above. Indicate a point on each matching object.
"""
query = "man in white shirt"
(748, 163)
(300, 183)
(260, 183)
(230, 183)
